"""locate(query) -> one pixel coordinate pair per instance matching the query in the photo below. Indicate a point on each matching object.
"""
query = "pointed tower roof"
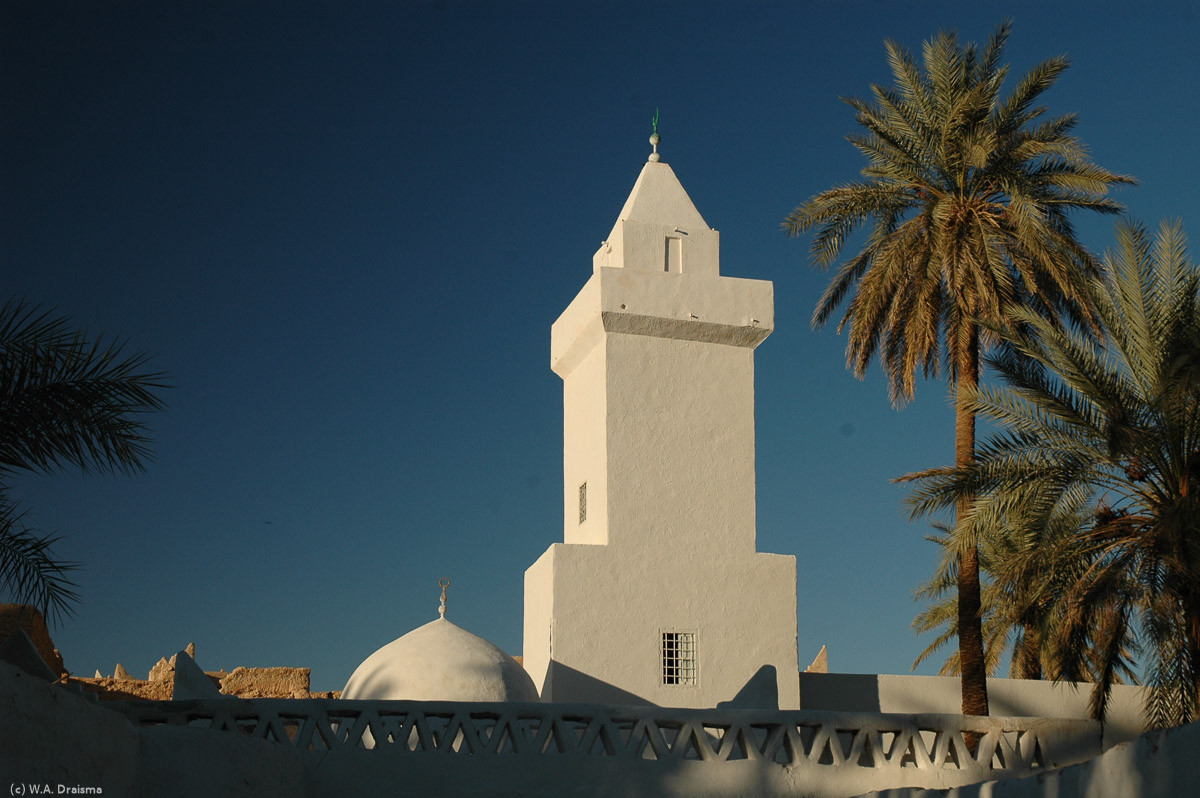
(659, 198)
(654, 224)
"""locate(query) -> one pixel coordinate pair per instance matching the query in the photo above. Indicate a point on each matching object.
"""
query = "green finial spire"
(654, 138)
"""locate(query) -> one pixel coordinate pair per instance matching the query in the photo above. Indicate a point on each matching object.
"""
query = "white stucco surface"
(657, 213)
(615, 605)
(58, 743)
(907, 694)
(1161, 764)
(656, 353)
(52, 738)
(440, 662)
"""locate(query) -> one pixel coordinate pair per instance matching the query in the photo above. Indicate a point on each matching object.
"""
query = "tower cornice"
(711, 309)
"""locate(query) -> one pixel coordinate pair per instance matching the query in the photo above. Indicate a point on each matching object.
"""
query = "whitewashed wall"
(855, 692)
(656, 353)
(1162, 764)
(314, 749)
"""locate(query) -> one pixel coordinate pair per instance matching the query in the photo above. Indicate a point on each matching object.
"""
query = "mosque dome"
(440, 662)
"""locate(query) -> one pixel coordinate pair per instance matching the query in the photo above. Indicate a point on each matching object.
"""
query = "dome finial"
(654, 138)
(443, 583)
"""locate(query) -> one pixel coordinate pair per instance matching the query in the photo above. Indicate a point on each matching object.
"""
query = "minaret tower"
(658, 594)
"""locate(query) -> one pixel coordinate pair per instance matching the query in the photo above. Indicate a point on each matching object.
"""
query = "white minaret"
(657, 594)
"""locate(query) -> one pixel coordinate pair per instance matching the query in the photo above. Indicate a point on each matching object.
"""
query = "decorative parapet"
(816, 753)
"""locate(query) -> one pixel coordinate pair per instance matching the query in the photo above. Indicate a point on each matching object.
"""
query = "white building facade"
(658, 594)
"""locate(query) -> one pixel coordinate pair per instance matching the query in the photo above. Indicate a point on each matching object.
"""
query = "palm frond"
(964, 203)
(29, 571)
(66, 400)
(1084, 500)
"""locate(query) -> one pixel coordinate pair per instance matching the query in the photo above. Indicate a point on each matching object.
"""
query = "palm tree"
(1020, 595)
(965, 201)
(1113, 425)
(942, 611)
(65, 401)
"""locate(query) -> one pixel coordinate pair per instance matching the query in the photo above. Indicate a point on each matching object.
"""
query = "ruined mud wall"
(158, 684)
(240, 682)
(29, 620)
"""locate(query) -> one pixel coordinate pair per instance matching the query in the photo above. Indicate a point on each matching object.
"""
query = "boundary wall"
(886, 693)
(314, 748)
(468, 749)
(1161, 764)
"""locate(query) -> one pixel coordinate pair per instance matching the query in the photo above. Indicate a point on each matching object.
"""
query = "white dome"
(440, 662)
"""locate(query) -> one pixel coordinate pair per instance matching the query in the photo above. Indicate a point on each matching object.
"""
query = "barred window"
(583, 502)
(679, 658)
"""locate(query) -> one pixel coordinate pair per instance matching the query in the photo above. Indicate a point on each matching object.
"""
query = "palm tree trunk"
(970, 623)
(1029, 657)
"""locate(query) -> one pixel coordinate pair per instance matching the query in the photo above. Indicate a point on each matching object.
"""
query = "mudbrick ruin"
(122, 686)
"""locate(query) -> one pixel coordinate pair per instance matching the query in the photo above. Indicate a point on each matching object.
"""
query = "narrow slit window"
(674, 256)
(583, 502)
(679, 658)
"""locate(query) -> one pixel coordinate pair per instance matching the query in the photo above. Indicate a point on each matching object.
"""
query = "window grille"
(679, 658)
(583, 502)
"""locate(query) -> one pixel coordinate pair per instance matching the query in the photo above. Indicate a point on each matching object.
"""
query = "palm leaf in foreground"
(66, 401)
(1113, 425)
(29, 572)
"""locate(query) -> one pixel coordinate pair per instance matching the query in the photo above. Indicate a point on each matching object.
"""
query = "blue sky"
(345, 229)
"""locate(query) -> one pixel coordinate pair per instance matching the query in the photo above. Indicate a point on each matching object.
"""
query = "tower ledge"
(711, 309)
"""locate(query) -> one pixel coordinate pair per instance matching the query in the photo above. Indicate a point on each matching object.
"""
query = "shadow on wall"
(840, 692)
(907, 694)
(564, 683)
(761, 692)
